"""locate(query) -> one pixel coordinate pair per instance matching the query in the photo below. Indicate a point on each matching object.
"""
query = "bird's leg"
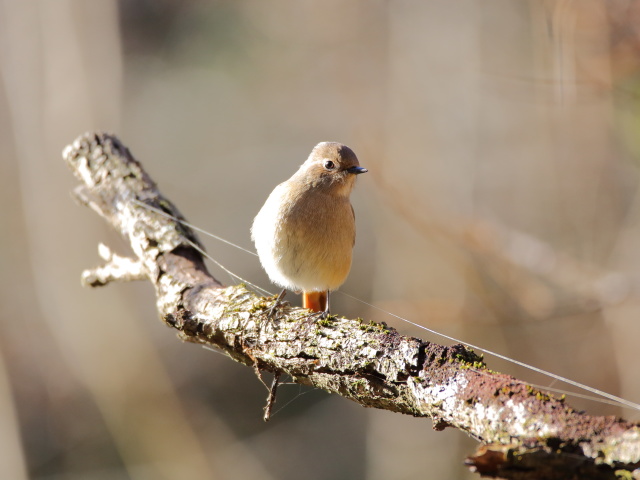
(276, 304)
(318, 303)
(326, 312)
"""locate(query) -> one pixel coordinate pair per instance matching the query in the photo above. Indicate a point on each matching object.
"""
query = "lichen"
(326, 322)
(624, 474)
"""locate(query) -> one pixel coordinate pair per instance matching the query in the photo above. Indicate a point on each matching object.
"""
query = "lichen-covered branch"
(525, 433)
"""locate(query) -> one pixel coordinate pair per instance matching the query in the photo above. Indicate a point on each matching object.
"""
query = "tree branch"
(525, 433)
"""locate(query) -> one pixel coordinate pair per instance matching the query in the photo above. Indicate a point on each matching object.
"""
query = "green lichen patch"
(373, 327)
(328, 322)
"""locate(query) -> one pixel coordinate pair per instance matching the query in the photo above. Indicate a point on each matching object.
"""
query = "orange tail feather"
(314, 301)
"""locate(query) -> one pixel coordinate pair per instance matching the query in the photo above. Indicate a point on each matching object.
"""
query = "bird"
(305, 231)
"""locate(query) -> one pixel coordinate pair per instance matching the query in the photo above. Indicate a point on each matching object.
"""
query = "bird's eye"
(329, 165)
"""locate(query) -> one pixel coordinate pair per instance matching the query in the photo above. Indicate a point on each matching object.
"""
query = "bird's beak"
(357, 170)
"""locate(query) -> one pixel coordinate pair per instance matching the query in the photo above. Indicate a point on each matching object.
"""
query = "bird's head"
(332, 167)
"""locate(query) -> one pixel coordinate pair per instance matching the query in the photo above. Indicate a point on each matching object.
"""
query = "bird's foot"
(314, 316)
(273, 311)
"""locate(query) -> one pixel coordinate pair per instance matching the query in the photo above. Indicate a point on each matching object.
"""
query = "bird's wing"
(354, 221)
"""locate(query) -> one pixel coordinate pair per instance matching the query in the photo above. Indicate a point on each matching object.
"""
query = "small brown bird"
(305, 231)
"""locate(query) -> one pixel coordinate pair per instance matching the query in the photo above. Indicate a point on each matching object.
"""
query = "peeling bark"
(525, 433)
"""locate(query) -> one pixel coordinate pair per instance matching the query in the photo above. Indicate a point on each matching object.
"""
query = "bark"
(524, 433)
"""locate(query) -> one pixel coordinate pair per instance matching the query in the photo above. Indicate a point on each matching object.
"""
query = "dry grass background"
(501, 207)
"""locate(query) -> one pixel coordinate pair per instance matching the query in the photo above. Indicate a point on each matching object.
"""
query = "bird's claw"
(272, 313)
(315, 316)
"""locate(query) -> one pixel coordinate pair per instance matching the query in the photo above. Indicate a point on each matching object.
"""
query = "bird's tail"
(315, 301)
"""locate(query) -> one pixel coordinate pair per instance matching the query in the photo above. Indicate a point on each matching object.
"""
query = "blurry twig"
(514, 273)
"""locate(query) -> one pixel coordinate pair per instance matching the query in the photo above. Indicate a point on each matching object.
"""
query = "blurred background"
(501, 208)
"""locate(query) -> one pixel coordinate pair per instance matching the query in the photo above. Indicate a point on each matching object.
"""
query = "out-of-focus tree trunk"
(61, 73)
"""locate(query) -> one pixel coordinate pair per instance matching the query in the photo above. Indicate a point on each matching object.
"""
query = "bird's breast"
(308, 236)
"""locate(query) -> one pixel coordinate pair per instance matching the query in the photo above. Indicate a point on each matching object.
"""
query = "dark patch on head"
(348, 155)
